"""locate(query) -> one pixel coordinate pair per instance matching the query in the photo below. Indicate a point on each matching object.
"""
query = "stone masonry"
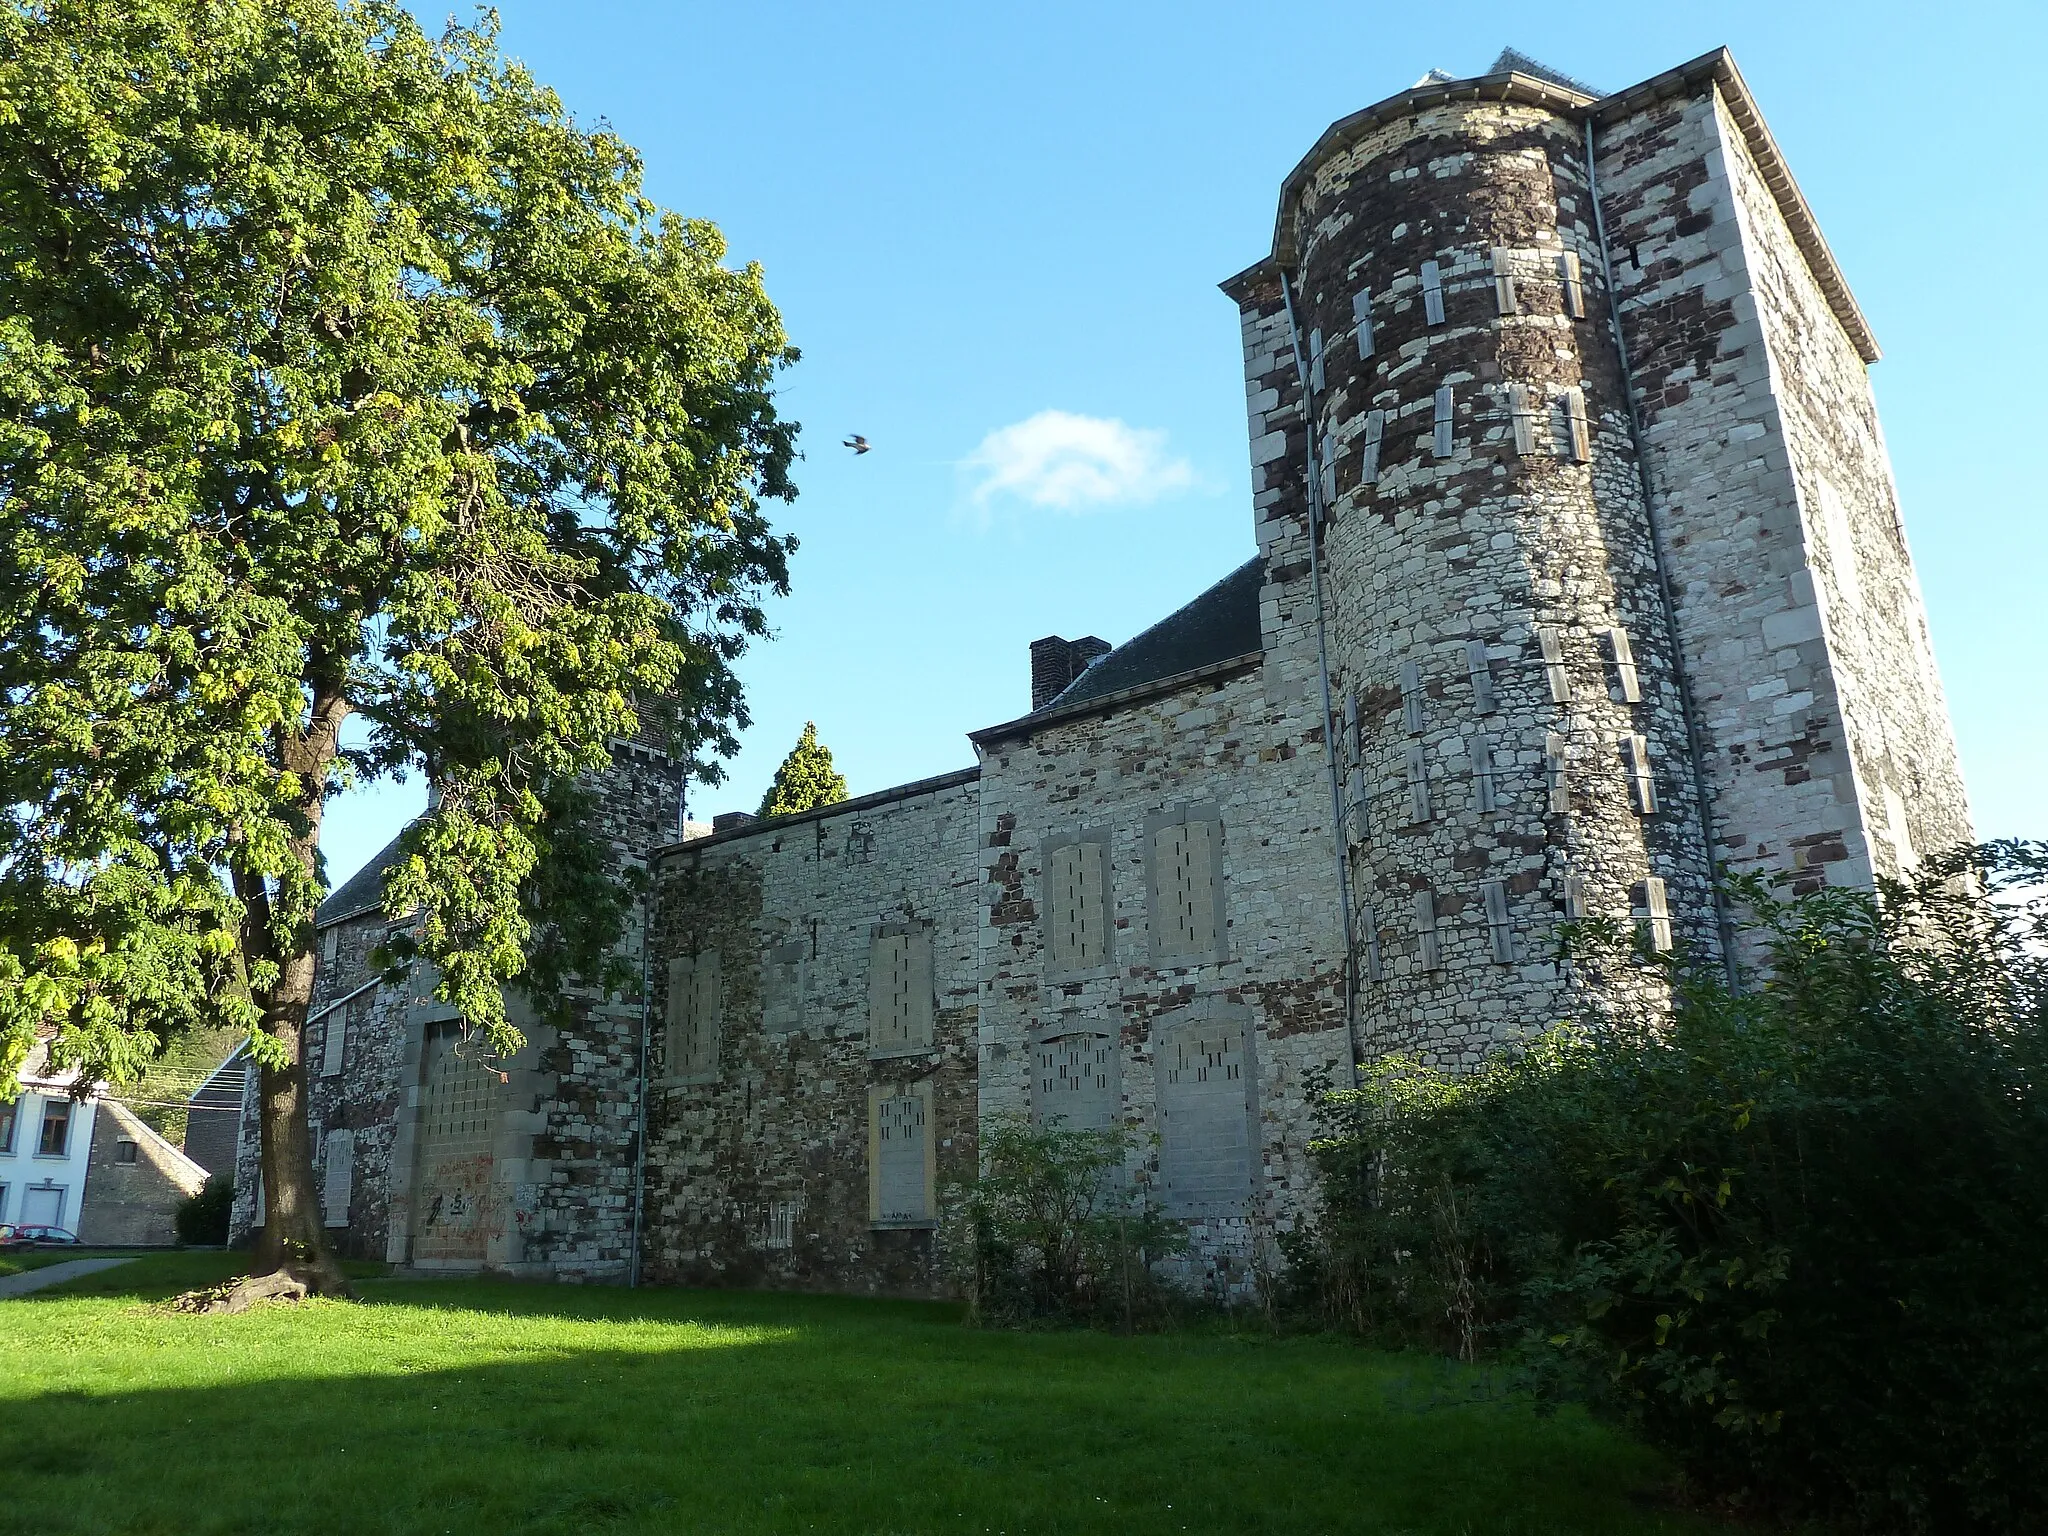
(1547, 619)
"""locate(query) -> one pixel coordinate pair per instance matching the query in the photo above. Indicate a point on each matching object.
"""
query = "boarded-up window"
(1550, 641)
(1441, 422)
(1369, 448)
(1574, 896)
(1315, 360)
(1635, 752)
(902, 1158)
(1417, 761)
(1074, 1080)
(1500, 929)
(352, 1014)
(339, 1183)
(1328, 482)
(1625, 678)
(1477, 663)
(1411, 697)
(1555, 783)
(1522, 414)
(1429, 952)
(1432, 293)
(782, 988)
(1187, 885)
(1578, 433)
(330, 945)
(1361, 315)
(1485, 789)
(1206, 1113)
(1574, 286)
(1369, 930)
(1077, 904)
(1504, 280)
(1656, 911)
(695, 1016)
(900, 989)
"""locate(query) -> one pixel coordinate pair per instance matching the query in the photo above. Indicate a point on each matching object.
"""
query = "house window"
(902, 1160)
(694, 1016)
(782, 989)
(1077, 903)
(1187, 885)
(1206, 1112)
(7, 1118)
(55, 1137)
(125, 1151)
(1074, 1081)
(900, 989)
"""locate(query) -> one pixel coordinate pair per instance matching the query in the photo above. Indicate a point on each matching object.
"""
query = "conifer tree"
(806, 779)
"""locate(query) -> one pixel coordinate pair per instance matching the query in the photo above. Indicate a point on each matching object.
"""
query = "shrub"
(203, 1218)
(1053, 1230)
(1796, 1238)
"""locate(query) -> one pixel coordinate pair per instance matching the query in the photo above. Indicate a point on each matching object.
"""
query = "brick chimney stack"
(1055, 663)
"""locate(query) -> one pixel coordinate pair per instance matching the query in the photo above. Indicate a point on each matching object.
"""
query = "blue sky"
(995, 230)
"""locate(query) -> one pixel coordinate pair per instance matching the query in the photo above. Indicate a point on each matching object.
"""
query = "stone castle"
(1580, 571)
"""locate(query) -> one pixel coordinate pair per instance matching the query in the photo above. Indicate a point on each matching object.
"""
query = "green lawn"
(502, 1409)
(14, 1261)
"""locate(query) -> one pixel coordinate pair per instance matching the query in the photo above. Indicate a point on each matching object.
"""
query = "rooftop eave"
(1717, 68)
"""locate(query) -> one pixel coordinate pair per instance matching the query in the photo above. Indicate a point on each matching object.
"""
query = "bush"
(1796, 1238)
(203, 1218)
(1053, 1230)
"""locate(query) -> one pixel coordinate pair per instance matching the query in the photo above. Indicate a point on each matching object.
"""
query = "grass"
(14, 1261)
(516, 1410)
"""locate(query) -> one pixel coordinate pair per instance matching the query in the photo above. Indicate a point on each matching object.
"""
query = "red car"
(37, 1237)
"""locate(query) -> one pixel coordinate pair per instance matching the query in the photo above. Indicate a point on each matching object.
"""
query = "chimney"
(1055, 663)
(732, 821)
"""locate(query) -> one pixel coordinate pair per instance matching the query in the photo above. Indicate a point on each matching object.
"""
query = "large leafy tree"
(341, 374)
(806, 779)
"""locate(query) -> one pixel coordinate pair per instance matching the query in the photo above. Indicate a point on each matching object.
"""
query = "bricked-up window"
(1074, 1080)
(1185, 854)
(1550, 642)
(695, 1015)
(782, 988)
(1522, 415)
(1656, 912)
(1481, 669)
(339, 1183)
(1432, 293)
(1441, 422)
(1504, 281)
(900, 989)
(1369, 448)
(902, 1158)
(1635, 753)
(1207, 1110)
(1077, 905)
(54, 1139)
(1500, 928)
(1573, 283)
(1361, 318)
(1555, 783)
(1429, 952)
(1625, 678)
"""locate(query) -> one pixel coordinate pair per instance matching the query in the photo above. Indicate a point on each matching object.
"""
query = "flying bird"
(857, 443)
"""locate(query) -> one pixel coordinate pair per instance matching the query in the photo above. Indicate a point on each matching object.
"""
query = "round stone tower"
(1511, 735)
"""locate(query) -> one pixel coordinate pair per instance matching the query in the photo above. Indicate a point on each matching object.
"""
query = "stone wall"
(133, 1203)
(758, 1169)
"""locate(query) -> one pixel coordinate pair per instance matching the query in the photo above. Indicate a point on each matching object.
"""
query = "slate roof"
(361, 892)
(1223, 622)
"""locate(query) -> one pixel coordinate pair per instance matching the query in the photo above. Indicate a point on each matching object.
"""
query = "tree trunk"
(293, 1241)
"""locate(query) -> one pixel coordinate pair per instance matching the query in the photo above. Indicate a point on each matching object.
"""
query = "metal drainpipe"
(1315, 576)
(1695, 745)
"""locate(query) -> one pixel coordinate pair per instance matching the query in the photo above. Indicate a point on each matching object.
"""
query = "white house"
(45, 1138)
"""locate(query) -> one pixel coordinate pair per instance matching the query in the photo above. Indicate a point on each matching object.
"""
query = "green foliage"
(1053, 1229)
(806, 779)
(1796, 1238)
(341, 373)
(204, 1217)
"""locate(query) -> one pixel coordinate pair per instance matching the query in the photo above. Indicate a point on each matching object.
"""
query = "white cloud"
(1067, 462)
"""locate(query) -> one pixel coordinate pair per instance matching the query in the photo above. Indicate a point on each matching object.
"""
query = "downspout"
(1695, 743)
(1315, 576)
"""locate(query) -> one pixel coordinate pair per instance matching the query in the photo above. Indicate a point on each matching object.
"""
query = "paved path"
(54, 1274)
